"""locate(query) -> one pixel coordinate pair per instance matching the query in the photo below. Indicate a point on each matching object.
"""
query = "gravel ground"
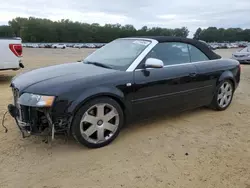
(199, 148)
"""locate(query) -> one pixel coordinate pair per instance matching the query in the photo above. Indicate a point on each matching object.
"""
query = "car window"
(119, 54)
(247, 49)
(196, 54)
(170, 53)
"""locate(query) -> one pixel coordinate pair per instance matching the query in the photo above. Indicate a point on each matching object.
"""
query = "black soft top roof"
(200, 45)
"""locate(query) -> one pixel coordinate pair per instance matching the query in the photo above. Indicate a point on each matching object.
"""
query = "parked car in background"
(89, 46)
(214, 46)
(31, 45)
(70, 45)
(124, 79)
(99, 45)
(243, 55)
(243, 45)
(60, 46)
(41, 45)
(229, 45)
(234, 45)
(11, 51)
(78, 46)
(48, 46)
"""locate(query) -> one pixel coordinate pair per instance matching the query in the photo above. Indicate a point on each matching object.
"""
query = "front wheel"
(98, 122)
(223, 96)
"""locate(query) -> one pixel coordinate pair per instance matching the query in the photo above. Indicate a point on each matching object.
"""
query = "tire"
(93, 130)
(223, 95)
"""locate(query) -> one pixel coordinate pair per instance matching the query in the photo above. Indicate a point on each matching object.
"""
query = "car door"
(172, 87)
(207, 76)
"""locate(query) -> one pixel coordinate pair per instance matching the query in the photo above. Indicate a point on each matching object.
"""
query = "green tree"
(212, 34)
(6, 31)
(197, 33)
(43, 30)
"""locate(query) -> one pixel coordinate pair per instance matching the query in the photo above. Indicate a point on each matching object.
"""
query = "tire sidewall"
(75, 128)
(216, 104)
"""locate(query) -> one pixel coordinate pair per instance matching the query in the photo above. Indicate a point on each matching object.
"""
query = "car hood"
(58, 75)
(242, 53)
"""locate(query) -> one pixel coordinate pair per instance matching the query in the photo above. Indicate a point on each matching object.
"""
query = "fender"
(95, 92)
(226, 75)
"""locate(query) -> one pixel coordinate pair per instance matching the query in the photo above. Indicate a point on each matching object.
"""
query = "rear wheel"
(98, 122)
(223, 96)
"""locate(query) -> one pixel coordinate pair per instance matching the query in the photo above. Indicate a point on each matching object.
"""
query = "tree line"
(214, 34)
(44, 30)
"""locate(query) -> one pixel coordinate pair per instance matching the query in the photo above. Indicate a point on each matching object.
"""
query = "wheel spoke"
(229, 93)
(109, 126)
(222, 102)
(226, 87)
(110, 115)
(220, 96)
(89, 119)
(228, 98)
(100, 134)
(90, 130)
(226, 101)
(100, 110)
(223, 88)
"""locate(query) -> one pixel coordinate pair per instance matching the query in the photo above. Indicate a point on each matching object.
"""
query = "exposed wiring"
(6, 130)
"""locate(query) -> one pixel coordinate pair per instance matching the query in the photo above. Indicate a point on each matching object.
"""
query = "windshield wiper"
(98, 64)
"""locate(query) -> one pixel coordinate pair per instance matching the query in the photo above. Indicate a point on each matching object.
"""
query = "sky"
(161, 13)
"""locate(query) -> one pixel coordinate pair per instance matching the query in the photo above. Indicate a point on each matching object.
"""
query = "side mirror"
(154, 63)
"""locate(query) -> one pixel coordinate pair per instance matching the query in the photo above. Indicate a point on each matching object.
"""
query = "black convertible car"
(128, 77)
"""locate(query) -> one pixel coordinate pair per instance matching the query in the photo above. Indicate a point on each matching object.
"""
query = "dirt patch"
(199, 148)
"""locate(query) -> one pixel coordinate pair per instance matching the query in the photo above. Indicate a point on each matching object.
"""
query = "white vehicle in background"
(41, 45)
(242, 55)
(230, 45)
(35, 46)
(11, 51)
(30, 45)
(60, 46)
(78, 46)
(90, 45)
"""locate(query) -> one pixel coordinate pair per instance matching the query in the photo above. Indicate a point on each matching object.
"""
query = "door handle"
(192, 74)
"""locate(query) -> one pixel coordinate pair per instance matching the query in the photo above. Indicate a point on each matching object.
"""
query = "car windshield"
(247, 49)
(118, 54)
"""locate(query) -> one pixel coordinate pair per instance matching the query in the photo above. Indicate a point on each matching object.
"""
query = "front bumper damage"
(39, 121)
(28, 128)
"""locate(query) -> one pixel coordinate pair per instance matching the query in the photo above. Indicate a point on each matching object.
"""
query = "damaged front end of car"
(33, 115)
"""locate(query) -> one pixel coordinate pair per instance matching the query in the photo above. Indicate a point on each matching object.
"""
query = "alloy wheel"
(225, 94)
(99, 123)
